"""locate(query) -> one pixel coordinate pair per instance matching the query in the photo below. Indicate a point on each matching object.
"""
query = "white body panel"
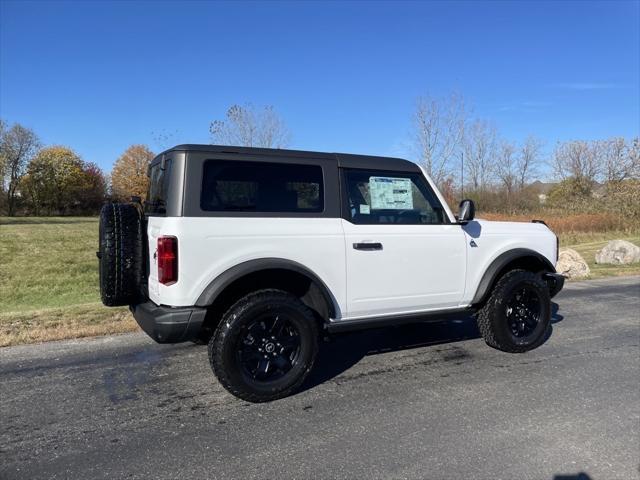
(492, 239)
(208, 246)
(420, 268)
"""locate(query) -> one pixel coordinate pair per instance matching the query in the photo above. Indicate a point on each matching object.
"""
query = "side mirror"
(467, 211)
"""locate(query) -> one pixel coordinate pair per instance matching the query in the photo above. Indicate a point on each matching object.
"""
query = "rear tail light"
(167, 260)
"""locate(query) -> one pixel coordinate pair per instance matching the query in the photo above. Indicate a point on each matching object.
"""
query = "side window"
(156, 203)
(261, 187)
(391, 198)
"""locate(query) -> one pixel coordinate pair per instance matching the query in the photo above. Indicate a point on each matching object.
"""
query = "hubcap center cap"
(269, 347)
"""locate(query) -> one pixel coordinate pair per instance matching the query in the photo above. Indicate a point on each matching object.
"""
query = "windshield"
(156, 203)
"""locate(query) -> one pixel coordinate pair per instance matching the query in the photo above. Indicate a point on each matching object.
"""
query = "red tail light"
(167, 260)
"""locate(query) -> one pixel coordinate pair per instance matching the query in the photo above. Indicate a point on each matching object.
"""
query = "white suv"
(255, 251)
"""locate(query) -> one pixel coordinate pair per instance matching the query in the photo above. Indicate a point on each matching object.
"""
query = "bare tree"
(479, 149)
(507, 166)
(634, 154)
(619, 159)
(528, 160)
(18, 145)
(578, 159)
(248, 126)
(438, 131)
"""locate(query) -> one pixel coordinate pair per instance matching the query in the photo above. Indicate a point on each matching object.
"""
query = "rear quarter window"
(156, 203)
(239, 186)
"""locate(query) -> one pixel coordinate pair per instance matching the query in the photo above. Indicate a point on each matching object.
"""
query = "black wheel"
(264, 346)
(517, 316)
(120, 253)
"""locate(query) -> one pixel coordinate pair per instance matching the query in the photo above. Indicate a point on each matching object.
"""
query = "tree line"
(465, 155)
(55, 180)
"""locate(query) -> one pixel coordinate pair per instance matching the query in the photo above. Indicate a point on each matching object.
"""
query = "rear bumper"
(555, 281)
(167, 324)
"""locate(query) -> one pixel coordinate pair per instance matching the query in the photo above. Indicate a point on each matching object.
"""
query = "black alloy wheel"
(269, 347)
(523, 311)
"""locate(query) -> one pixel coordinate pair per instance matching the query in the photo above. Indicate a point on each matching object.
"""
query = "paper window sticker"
(388, 193)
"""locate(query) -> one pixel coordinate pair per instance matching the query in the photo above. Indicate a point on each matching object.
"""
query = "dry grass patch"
(74, 321)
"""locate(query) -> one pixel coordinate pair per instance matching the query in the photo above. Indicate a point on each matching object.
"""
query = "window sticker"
(388, 193)
(365, 209)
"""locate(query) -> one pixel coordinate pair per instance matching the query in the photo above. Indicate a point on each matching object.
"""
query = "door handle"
(367, 246)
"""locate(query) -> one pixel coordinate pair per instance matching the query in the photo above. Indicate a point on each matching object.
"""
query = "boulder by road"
(618, 252)
(571, 264)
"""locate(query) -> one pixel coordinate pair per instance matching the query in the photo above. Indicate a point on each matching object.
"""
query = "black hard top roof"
(346, 160)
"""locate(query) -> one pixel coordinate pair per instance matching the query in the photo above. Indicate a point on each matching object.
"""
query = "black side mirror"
(467, 211)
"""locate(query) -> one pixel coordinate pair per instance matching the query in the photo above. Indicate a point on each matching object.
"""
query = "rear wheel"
(265, 346)
(517, 316)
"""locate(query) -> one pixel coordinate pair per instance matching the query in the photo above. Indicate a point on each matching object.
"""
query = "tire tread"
(121, 251)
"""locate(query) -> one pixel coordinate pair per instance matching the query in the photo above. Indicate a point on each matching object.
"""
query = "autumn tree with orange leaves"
(129, 174)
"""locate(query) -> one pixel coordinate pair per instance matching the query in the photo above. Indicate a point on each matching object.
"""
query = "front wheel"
(265, 346)
(517, 316)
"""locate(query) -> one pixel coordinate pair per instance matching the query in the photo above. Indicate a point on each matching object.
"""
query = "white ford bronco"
(258, 251)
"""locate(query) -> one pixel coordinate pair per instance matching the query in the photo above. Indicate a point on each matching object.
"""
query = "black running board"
(336, 326)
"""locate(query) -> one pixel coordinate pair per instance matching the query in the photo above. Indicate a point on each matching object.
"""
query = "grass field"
(49, 278)
(49, 282)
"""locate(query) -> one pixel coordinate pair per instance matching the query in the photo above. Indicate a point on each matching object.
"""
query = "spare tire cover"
(120, 253)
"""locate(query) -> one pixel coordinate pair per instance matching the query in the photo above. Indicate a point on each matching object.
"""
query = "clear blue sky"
(99, 76)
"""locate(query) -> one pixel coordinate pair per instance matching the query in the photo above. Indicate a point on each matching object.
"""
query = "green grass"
(49, 281)
(587, 244)
(48, 262)
(49, 278)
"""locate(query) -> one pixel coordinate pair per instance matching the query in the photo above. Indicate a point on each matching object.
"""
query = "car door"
(403, 253)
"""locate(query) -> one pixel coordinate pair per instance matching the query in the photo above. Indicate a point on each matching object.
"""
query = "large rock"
(619, 252)
(571, 264)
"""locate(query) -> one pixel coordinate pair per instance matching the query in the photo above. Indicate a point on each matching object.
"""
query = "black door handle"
(367, 246)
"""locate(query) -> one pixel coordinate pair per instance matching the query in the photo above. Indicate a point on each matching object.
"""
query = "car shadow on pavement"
(555, 313)
(577, 476)
(343, 351)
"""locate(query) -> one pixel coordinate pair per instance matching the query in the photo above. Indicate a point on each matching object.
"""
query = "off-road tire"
(492, 320)
(223, 345)
(120, 254)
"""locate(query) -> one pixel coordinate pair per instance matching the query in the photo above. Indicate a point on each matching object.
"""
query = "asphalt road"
(428, 401)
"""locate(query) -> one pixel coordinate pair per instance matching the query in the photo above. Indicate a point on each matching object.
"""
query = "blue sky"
(99, 76)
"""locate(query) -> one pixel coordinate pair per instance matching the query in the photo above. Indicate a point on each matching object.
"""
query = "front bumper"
(168, 324)
(555, 281)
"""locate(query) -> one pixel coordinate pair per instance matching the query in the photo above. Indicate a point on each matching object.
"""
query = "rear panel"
(164, 201)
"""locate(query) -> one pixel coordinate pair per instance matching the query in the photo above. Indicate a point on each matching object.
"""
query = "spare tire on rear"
(120, 253)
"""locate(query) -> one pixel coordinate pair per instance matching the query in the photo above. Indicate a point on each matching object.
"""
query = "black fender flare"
(222, 281)
(500, 262)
